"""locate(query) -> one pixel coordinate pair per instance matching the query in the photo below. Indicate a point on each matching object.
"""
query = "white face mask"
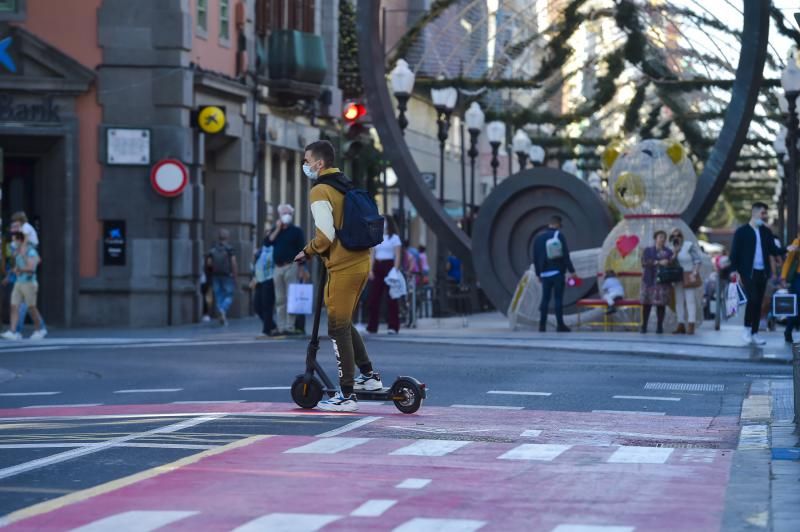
(759, 222)
(311, 174)
(286, 218)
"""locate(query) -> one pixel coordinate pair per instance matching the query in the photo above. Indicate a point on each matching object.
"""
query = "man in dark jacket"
(287, 240)
(551, 263)
(752, 253)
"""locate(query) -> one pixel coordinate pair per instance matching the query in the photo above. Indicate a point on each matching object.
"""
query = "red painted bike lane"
(446, 467)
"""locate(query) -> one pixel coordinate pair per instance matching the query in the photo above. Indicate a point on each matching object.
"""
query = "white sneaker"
(9, 335)
(757, 340)
(223, 318)
(39, 335)
(206, 318)
(339, 403)
(368, 383)
(747, 336)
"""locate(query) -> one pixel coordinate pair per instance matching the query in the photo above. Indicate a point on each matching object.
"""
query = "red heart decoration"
(626, 244)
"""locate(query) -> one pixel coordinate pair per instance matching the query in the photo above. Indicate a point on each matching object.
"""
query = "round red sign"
(169, 177)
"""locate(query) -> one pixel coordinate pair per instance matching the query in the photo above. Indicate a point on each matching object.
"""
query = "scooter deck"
(384, 394)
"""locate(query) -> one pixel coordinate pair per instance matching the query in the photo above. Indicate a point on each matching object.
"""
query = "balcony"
(296, 65)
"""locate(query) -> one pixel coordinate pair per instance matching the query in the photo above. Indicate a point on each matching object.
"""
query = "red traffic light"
(353, 111)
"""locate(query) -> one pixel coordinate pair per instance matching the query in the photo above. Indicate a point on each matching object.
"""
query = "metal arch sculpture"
(517, 210)
(715, 174)
(373, 76)
(749, 75)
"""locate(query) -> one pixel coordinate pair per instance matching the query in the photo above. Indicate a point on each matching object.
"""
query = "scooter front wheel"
(306, 395)
(407, 395)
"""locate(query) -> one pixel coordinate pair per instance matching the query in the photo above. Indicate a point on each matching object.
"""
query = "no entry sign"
(169, 177)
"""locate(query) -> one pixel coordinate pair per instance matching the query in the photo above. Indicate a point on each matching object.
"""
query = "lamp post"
(444, 100)
(496, 131)
(536, 155)
(521, 143)
(790, 80)
(474, 118)
(780, 149)
(402, 80)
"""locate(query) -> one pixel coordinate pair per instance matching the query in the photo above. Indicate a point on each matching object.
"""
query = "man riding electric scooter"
(347, 276)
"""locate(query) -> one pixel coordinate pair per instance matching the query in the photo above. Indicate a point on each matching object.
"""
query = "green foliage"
(349, 70)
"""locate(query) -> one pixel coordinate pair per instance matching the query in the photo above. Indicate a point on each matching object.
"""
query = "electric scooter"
(407, 393)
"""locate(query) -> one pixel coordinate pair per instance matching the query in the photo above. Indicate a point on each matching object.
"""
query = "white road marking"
(135, 521)
(531, 433)
(151, 390)
(646, 398)
(330, 445)
(373, 508)
(74, 445)
(640, 435)
(544, 452)
(640, 455)
(430, 448)
(414, 483)
(42, 445)
(593, 528)
(288, 523)
(263, 388)
(348, 427)
(168, 446)
(26, 394)
(63, 406)
(509, 392)
(753, 437)
(100, 446)
(425, 524)
(207, 402)
(629, 412)
(489, 406)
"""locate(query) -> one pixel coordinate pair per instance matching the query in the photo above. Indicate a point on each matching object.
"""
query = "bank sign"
(46, 110)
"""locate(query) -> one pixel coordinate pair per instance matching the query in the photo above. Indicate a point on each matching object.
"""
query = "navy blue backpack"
(362, 225)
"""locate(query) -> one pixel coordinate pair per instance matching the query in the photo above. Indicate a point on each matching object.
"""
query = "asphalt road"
(163, 373)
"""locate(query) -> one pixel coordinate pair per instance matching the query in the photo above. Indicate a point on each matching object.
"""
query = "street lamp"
(790, 80)
(475, 119)
(496, 131)
(444, 101)
(402, 80)
(521, 143)
(536, 155)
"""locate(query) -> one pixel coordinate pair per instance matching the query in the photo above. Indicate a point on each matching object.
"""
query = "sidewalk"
(492, 330)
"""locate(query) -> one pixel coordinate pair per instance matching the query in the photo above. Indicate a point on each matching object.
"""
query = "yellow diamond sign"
(211, 119)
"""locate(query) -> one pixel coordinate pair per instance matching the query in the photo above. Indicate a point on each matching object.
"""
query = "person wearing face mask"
(348, 271)
(688, 256)
(287, 241)
(752, 253)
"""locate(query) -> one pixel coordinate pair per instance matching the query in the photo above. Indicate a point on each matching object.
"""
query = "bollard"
(796, 383)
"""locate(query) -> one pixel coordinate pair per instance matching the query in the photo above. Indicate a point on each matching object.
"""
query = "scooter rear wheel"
(406, 395)
(306, 395)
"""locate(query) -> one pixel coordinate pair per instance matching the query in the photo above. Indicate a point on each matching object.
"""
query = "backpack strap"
(336, 183)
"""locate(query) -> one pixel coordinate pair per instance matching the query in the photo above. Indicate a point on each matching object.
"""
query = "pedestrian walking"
(752, 253)
(654, 293)
(551, 261)
(26, 288)
(10, 279)
(31, 236)
(264, 287)
(348, 271)
(790, 277)
(384, 258)
(287, 241)
(688, 256)
(221, 260)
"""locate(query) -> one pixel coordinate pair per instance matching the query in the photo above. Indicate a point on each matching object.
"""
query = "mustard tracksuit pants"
(342, 292)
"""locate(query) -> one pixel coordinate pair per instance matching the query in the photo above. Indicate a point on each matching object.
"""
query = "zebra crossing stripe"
(288, 523)
(134, 521)
(430, 448)
(640, 455)
(544, 452)
(328, 446)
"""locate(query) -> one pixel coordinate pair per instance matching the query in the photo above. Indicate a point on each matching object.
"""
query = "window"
(12, 10)
(8, 6)
(202, 16)
(224, 20)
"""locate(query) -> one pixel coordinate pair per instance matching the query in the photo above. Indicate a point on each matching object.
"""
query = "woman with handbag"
(689, 259)
(655, 292)
(790, 275)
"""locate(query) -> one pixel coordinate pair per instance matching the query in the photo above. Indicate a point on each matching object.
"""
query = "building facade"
(95, 92)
